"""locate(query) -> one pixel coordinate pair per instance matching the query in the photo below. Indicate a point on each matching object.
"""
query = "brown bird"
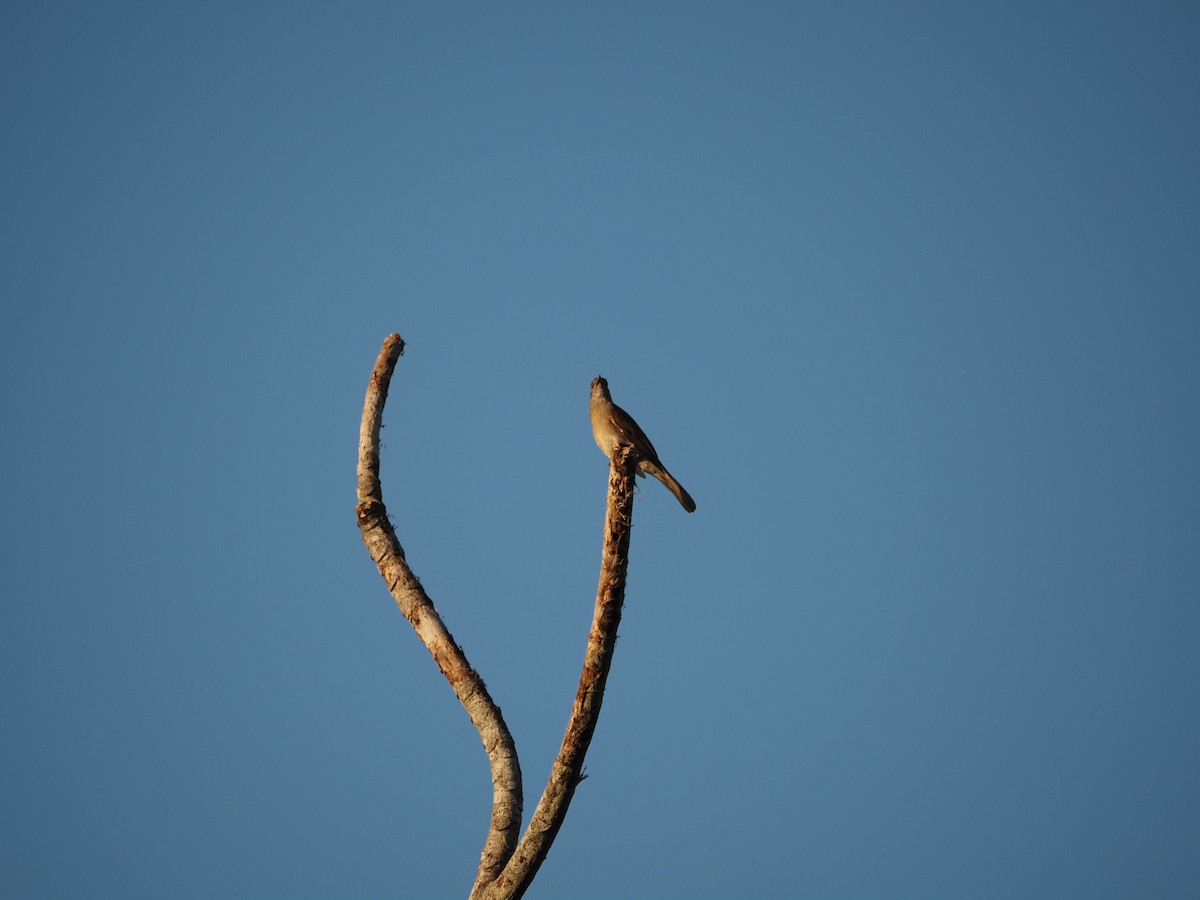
(612, 426)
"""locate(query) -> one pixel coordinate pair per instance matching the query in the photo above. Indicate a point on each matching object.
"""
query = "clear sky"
(906, 295)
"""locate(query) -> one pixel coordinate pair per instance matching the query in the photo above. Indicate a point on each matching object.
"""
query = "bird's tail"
(684, 498)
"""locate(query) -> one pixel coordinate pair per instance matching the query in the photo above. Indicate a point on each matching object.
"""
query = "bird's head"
(600, 389)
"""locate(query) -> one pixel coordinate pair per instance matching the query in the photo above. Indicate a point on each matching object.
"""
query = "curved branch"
(567, 771)
(414, 603)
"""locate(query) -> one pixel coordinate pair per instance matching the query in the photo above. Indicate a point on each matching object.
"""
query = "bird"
(612, 427)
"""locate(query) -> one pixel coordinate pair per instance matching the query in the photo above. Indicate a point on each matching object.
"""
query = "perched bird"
(612, 426)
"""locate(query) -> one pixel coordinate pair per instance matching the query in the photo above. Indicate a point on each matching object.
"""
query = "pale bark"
(416, 606)
(506, 868)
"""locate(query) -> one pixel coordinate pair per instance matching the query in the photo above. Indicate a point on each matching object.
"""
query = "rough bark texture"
(416, 606)
(506, 867)
(567, 771)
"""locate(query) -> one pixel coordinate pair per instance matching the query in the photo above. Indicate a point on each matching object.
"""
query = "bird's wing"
(633, 434)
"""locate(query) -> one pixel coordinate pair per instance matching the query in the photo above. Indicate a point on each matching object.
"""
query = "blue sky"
(906, 295)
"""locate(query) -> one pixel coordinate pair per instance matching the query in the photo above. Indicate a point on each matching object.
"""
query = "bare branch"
(414, 603)
(567, 771)
(506, 868)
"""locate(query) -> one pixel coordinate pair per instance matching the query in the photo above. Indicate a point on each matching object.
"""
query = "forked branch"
(506, 868)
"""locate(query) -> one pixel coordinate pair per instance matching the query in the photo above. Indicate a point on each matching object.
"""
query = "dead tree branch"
(506, 867)
(414, 603)
(567, 771)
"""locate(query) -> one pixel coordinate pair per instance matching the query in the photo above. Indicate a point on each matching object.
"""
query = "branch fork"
(507, 866)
